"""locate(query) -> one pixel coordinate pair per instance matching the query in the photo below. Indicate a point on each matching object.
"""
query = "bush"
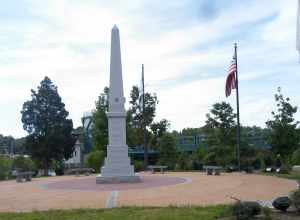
(285, 169)
(295, 197)
(282, 203)
(21, 163)
(5, 167)
(138, 165)
(95, 160)
(267, 213)
(184, 162)
(246, 210)
(296, 157)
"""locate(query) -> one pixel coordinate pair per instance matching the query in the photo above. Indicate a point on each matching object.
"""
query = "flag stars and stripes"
(231, 78)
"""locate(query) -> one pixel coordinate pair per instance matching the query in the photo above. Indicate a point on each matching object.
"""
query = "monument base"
(117, 179)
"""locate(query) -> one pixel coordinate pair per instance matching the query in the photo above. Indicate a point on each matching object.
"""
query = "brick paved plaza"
(178, 188)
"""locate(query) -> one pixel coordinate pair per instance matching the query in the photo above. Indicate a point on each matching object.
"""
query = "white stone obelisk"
(117, 167)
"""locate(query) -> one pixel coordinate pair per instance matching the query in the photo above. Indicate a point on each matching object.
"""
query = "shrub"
(282, 203)
(285, 169)
(95, 160)
(5, 167)
(267, 213)
(295, 197)
(21, 163)
(296, 157)
(184, 162)
(246, 210)
(138, 165)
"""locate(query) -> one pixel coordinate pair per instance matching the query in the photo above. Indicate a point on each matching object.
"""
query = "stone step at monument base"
(117, 179)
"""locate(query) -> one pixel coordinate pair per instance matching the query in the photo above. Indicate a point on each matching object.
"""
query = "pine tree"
(44, 117)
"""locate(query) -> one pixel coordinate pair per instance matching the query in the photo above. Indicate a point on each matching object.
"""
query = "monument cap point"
(115, 27)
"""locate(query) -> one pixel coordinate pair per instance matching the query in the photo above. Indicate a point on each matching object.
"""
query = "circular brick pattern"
(90, 184)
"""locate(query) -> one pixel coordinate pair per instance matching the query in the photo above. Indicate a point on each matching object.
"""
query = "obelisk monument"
(117, 167)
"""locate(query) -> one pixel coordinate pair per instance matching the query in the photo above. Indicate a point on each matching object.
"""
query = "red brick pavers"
(178, 188)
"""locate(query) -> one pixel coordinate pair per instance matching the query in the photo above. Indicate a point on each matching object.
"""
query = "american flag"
(231, 80)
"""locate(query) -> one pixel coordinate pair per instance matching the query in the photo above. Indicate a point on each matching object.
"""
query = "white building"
(75, 160)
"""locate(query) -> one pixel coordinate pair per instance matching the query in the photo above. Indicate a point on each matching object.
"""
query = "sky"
(185, 45)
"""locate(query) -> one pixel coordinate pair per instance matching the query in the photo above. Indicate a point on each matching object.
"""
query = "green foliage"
(220, 125)
(45, 119)
(284, 137)
(95, 160)
(167, 149)
(295, 197)
(5, 167)
(100, 122)
(184, 162)
(246, 210)
(220, 132)
(6, 144)
(267, 213)
(296, 157)
(198, 157)
(136, 121)
(23, 164)
(138, 165)
(191, 131)
(219, 155)
(158, 130)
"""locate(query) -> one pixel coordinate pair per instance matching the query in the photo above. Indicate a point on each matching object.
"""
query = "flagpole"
(144, 122)
(238, 133)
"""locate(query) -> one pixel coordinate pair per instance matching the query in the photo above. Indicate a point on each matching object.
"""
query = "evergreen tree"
(44, 117)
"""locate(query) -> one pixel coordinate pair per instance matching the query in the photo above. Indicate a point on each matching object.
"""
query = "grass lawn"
(130, 213)
(291, 175)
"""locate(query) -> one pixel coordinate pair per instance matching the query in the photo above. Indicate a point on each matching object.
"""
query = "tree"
(22, 163)
(5, 167)
(220, 134)
(167, 151)
(158, 130)
(296, 157)
(44, 117)
(220, 124)
(284, 137)
(100, 122)
(136, 114)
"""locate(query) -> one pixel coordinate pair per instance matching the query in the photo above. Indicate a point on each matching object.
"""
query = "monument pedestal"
(117, 167)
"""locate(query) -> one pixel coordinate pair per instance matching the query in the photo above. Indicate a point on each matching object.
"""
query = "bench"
(77, 171)
(213, 170)
(161, 168)
(20, 176)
